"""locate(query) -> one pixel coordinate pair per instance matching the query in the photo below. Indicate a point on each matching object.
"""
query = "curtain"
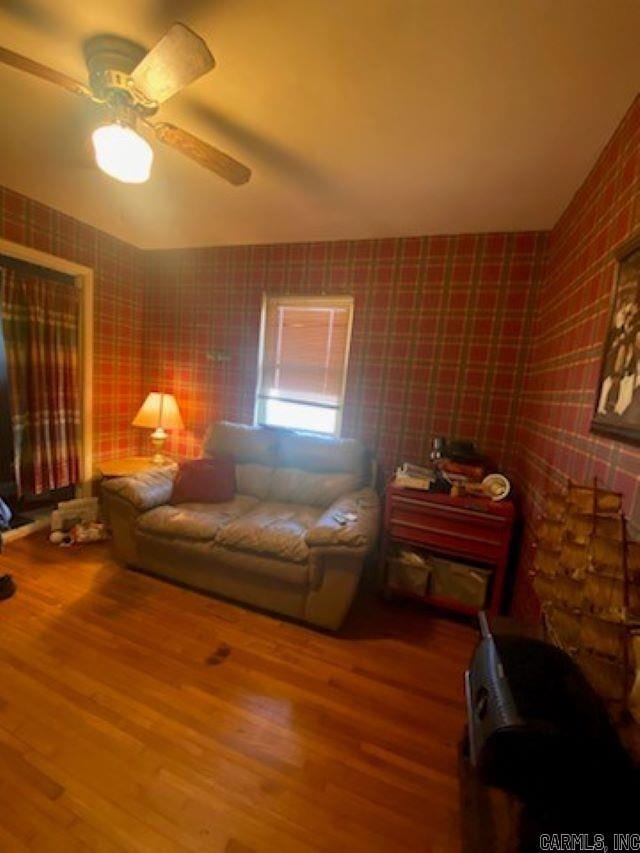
(41, 329)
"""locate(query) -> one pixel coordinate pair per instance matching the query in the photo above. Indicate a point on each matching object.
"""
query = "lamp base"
(158, 438)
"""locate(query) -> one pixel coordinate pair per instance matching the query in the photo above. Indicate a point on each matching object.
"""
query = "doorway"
(68, 274)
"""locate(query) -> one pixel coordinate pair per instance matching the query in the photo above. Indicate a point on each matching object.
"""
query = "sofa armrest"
(143, 491)
(331, 531)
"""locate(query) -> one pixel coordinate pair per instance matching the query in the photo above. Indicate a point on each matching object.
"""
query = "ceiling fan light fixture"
(122, 153)
(131, 95)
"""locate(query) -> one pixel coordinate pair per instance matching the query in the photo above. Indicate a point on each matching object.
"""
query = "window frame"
(339, 300)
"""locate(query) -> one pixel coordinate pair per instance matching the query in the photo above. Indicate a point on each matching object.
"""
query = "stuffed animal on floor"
(79, 534)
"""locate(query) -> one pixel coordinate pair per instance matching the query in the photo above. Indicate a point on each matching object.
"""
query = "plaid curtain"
(41, 330)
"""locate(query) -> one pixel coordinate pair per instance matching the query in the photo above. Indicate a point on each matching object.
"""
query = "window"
(304, 350)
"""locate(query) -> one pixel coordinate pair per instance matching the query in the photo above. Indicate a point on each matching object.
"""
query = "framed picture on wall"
(617, 408)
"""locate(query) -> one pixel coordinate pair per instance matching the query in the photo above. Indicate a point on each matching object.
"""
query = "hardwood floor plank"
(136, 715)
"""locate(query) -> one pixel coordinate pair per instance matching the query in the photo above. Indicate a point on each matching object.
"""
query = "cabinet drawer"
(469, 545)
(454, 529)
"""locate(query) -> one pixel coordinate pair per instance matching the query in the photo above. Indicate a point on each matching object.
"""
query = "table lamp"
(159, 412)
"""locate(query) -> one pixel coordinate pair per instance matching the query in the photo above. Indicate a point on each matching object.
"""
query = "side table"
(128, 466)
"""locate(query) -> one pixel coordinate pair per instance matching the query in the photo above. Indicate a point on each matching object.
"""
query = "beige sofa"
(280, 544)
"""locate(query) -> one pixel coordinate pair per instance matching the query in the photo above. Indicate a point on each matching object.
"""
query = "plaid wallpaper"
(118, 330)
(571, 313)
(440, 325)
(438, 340)
(493, 337)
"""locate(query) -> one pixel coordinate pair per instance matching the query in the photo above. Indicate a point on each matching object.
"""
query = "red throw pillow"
(209, 480)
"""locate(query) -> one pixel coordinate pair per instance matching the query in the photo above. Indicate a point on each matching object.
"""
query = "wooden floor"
(136, 715)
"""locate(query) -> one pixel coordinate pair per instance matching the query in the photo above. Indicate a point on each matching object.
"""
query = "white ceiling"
(359, 118)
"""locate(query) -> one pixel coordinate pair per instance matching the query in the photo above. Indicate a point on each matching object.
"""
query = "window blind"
(305, 345)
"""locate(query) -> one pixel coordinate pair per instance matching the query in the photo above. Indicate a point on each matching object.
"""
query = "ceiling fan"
(132, 84)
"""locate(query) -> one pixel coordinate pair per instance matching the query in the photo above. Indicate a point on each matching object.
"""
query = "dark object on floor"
(219, 656)
(538, 731)
(7, 587)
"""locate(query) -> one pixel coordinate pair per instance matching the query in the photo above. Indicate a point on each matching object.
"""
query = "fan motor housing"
(110, 60)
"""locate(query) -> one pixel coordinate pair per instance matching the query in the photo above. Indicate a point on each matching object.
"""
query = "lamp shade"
(159, 411)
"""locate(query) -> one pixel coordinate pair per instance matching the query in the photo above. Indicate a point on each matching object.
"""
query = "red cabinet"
(470, 529)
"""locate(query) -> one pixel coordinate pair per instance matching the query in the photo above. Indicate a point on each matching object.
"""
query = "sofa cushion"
(208, 480)
(238, 574)
(252, 479)
(306, 487)
(245, 443)
(272, 528)
(194, 521)
(322, 454)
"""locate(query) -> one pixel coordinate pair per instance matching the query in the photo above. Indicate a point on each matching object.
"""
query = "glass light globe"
(122, 153)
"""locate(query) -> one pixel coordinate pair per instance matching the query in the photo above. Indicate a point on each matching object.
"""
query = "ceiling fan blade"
(23, 63)
(179, 58)
(203, 153)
